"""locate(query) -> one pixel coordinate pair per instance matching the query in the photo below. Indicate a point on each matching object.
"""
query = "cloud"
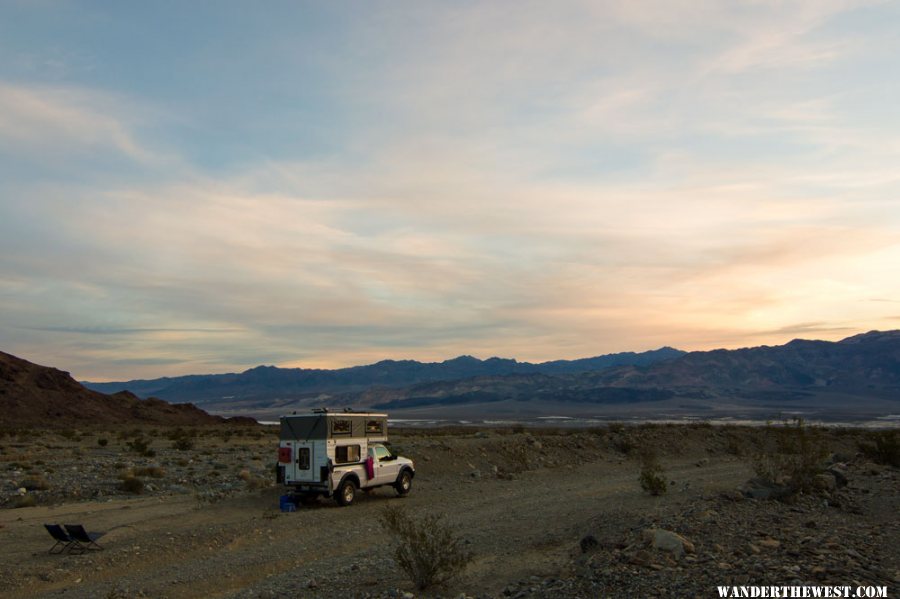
(122, 331)
(54, 118)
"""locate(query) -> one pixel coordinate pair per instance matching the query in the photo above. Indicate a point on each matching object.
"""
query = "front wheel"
(404, 483)
(346, 493)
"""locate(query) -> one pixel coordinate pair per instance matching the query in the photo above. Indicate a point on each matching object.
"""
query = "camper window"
(374, 427)
(303, 458)
(345, 454)
(340, 427)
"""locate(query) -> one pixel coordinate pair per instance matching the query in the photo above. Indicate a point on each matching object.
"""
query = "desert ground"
(543, 512)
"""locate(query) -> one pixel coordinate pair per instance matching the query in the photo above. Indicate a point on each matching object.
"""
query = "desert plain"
(543, 512)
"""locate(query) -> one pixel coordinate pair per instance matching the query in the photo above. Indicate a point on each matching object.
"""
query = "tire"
(403, 484)
(346, 493)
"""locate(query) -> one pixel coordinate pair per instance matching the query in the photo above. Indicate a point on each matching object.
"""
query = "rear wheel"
(346, 493)
(404, 483)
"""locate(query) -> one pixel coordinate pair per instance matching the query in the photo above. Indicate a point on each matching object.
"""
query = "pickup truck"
(327, 454)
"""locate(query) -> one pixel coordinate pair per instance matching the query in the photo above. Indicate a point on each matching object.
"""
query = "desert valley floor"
(546, 513)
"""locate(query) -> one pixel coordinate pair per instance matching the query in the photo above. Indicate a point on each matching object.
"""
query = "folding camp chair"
(83, 539)
(63, 540)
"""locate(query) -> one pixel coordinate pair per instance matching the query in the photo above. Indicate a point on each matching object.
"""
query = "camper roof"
(334, 425)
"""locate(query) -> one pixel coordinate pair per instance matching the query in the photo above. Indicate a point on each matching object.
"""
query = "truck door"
(386, 469)
(304, 462)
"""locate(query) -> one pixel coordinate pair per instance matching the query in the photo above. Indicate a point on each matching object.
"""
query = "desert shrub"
(132, 485)
(882, 447)
(733, 444)
(35, 483)
(102, 442)
(24, 501)
(67, 433)
(624, 444)
(426, 548)
(153, 471)
(791, 455)
(182, 440)
(257, 482)
(652, 478)
(141, 446)
(183, 444)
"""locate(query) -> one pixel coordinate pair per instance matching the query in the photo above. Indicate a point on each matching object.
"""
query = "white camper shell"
(333, 454)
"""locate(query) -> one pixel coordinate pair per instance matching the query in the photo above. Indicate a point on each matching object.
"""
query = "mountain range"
(270, 383)
(853, 378)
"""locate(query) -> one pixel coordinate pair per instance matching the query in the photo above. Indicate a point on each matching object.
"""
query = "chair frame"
(83, 540)
(63, 539)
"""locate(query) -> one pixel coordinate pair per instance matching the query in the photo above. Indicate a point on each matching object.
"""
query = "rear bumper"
(304, 487)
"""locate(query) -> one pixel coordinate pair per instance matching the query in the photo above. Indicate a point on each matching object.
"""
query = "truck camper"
(334, 454)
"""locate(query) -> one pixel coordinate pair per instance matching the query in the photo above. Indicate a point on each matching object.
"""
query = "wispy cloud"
(53, 119)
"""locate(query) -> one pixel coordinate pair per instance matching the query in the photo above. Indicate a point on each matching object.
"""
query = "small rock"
(769, 543)
(826, 482)
(641, 558)
(732, 495)
(758, 488)
(589, 543)
(839, 474)
(666, 540)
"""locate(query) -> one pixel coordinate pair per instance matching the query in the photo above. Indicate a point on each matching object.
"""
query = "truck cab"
(334, 454)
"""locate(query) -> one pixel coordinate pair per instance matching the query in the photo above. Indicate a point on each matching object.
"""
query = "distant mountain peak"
(464, 359)
(873, 336)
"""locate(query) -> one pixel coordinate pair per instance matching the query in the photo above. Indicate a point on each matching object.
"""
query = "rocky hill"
(39, 396)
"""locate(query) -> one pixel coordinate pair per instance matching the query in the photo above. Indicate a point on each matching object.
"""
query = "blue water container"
(287, 504)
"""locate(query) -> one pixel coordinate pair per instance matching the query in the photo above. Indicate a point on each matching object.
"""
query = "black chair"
(83, 540)
(63, 539)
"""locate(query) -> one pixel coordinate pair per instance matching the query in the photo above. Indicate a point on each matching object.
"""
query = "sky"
(202, 187)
